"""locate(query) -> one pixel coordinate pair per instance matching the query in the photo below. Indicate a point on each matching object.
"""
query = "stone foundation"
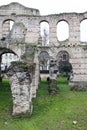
(78, 86)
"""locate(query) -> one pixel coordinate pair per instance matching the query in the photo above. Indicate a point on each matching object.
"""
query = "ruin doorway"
(63, 63)
(44, 60)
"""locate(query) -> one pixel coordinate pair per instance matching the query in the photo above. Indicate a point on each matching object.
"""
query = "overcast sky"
(52, 6)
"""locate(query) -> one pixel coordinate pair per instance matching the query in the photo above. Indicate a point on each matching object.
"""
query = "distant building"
(7, 59)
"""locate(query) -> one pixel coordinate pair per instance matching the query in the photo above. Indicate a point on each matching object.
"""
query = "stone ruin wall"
(26, 32)
(21, 78)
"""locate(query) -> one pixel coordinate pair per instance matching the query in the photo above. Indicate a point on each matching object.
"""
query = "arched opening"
(83, 31)
(20, 76)
(62, 30)
(6, 56)
(44, 62)
(64, 66)
(44, 32)
(6, 28)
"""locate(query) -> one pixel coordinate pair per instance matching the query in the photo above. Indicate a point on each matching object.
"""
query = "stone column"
(20, 76)
(52, 69)
(37, 74)
(53, 34)
(78, 79)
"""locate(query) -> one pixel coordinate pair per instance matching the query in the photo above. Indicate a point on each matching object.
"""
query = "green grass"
(55, 112)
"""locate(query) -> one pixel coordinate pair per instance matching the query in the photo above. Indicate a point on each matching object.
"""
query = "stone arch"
(62, 30)
(4, 50)
(83, 30)
(63, 55)
(44, 61)
(19, 74)
(44, 32)
(63, 63)
(7, 56)
(7, 27)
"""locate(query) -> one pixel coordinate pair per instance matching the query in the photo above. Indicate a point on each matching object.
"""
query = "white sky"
(52, 6)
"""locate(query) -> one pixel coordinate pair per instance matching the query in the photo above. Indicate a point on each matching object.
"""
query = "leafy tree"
(65, 67)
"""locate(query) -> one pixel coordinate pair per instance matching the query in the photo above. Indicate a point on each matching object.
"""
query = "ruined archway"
(6, 28)
(20, 75)
(25, 37)
(44, 62)
(4, 57)
(64, 66)
(4, 65)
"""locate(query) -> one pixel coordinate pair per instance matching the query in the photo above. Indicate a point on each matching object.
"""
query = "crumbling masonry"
(24, 40)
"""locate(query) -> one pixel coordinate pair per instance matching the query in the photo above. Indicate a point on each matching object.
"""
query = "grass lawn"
(55, 112)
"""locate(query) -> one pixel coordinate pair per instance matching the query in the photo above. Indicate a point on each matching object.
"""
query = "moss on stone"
(21, 66)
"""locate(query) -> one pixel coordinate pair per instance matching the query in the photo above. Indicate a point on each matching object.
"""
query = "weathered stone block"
(20, 75)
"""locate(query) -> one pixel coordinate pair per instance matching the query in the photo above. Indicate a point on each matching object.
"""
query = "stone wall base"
(78, 86)
(21, 114)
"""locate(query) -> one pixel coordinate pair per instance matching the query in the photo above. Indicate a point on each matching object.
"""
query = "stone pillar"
(33, 89)
(52, 69)
(74, 29)
(20, 76)
(37, 74)
(79, 63)
(53, 34)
